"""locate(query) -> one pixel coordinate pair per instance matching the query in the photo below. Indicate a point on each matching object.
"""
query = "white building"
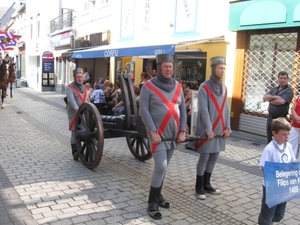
(197, 30)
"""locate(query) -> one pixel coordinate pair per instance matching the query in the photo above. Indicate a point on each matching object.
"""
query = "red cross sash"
(171, 109)
(220, 114)
(82, 98)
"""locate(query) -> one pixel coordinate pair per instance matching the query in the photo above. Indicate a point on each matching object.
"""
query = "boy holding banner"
(278, 150)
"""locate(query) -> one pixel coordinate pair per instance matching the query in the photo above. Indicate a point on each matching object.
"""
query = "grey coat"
(73, 104)
(153, 112)
(207, 115)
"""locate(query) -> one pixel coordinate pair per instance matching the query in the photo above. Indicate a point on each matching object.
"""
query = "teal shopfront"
(268, 41)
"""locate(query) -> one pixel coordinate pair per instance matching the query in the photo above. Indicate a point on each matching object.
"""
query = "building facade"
(64, 27)
(137, 25)
(267, 43)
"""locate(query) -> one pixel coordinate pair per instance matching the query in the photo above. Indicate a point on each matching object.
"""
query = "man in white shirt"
(86, 76)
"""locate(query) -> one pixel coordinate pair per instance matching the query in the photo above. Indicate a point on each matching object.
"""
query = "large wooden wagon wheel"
(89, 135)
(139, 147)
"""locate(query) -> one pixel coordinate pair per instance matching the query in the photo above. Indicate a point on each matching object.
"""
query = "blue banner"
(282, 182)
(115, 51)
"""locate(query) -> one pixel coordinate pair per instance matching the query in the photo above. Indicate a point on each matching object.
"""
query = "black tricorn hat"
(77, 70)
(217, 60)
(164, 58)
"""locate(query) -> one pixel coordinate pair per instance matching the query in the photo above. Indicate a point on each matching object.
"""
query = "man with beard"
(279, 99)
(213, 120)
(77, 95)
(162, 109)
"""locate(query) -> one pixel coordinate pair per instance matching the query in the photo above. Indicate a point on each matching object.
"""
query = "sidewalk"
(41, 184)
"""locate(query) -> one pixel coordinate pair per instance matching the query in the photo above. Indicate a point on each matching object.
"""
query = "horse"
(3, 82)
(11, 76)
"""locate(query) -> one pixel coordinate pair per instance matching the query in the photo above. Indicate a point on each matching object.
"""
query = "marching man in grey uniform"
(213, 120)
(162, 108)
(76, 95)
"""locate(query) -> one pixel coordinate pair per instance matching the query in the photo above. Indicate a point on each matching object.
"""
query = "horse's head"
(11, 67)
(3, 69)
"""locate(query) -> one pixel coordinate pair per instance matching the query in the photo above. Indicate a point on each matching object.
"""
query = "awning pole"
(112, 69)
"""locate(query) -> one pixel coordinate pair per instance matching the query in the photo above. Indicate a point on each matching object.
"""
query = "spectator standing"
(278, 150)
(118, 109)
(213, 119)
(137, 91)
(97, 96)
(86, 76)
(107, 89)
(153, 74)
(294, 138)
(89, 89)
(279, 99)
(163, 112)
(101, 83)
(144, 78)
(76, 94)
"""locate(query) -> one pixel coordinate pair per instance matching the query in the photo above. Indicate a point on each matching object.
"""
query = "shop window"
(267, 54)
(190, 68)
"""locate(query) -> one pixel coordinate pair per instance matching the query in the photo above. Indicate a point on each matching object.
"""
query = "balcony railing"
(65, 20)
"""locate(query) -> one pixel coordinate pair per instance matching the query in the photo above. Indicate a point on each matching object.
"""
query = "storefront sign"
(61, 39)
(127, 20)
(186, 14)
(105, 51)
(48, 62)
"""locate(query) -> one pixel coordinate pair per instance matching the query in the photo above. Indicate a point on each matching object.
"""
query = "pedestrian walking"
(279, 99)
(278, 150)
(162, 109)
(77, 94)
(213, 119)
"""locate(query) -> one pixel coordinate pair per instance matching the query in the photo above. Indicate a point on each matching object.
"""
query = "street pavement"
(40, 183)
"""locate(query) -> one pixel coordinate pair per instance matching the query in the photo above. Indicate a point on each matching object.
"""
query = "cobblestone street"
(40, 183)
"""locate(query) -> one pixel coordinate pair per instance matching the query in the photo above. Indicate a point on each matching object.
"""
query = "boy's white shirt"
(274, 153)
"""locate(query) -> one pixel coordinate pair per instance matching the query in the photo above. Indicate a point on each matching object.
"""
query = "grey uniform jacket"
(153, 111)
(208, 114)
(74, 101)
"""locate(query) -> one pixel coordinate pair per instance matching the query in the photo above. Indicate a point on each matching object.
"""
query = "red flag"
(8, 40)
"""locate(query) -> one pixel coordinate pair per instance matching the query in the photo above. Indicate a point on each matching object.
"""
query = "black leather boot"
(199, 187)
(162, 202)
(74, 152)
(153, 203)
(207, 185)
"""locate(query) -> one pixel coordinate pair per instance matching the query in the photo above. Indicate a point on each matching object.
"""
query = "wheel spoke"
(93, 149)
(87, 153)
(88, 118)
(132, 141)
(94, 141)
(145, 145)
(142, 147)
(82, 120)
(139, 147)
(82, 148)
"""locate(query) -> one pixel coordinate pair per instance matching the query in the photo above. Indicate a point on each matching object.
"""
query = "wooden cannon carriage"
(91, 128)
